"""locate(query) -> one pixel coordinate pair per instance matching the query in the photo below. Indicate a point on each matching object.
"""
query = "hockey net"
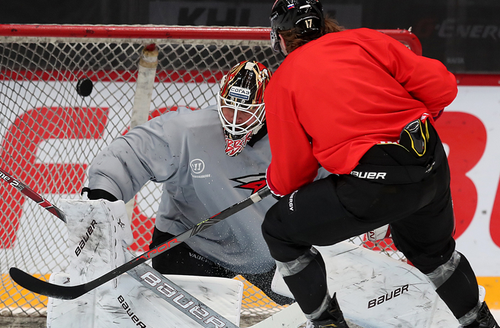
(49, 133)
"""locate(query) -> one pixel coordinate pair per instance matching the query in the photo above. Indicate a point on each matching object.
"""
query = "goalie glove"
(379, 233)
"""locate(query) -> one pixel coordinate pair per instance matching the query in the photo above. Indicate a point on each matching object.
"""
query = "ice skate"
(335, 317)
(484, 319)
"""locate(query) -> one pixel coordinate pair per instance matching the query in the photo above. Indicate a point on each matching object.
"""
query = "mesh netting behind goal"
(49, 133)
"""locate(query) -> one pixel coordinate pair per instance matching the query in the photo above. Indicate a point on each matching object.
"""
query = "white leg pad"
(376, 291)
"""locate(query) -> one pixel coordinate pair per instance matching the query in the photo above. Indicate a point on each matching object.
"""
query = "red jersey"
(335, 97)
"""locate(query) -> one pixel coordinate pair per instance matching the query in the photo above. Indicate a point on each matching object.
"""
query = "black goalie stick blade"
(45, 288)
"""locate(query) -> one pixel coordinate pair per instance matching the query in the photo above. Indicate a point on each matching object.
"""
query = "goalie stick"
(71, 292)
(4, 175)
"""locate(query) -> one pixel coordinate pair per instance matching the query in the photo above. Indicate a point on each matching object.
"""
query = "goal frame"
(149, 33)
(144, 35)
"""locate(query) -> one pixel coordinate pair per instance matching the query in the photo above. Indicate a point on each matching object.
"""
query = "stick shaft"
(7, 177)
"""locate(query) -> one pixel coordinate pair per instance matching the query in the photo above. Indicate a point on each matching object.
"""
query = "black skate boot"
(335, 319)
(484, 319)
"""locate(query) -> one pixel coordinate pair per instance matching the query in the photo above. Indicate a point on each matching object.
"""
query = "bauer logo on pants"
(369, 175)
(291, 201)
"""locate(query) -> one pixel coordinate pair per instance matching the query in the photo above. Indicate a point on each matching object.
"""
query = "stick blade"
(41, 287)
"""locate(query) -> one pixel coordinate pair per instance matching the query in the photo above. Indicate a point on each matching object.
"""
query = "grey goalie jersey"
(185, 152)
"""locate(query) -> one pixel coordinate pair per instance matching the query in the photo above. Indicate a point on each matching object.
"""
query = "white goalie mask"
(240, 103)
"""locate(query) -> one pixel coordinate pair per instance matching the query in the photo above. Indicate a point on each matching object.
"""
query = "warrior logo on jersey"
(252, 182)
(197, 166)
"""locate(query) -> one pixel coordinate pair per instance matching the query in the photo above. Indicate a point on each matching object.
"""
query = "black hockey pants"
(390, 186)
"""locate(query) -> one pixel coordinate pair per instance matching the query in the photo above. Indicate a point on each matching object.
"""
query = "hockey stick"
(32, 194)
(71, 292)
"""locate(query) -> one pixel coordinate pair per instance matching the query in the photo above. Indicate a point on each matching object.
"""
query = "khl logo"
(197, 166)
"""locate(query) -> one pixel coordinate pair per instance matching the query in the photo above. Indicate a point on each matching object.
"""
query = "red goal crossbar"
(168, 32)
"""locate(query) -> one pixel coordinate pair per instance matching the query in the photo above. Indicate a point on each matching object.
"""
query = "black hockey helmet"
(306, 16)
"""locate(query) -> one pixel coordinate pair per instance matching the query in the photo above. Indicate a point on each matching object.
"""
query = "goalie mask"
(240, 104)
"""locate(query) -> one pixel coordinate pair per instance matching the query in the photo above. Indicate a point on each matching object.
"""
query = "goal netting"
(49, 133)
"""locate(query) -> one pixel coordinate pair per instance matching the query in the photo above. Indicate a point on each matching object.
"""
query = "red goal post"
(49, 133)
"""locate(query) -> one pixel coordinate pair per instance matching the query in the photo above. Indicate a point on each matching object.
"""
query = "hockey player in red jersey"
(361, 105)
